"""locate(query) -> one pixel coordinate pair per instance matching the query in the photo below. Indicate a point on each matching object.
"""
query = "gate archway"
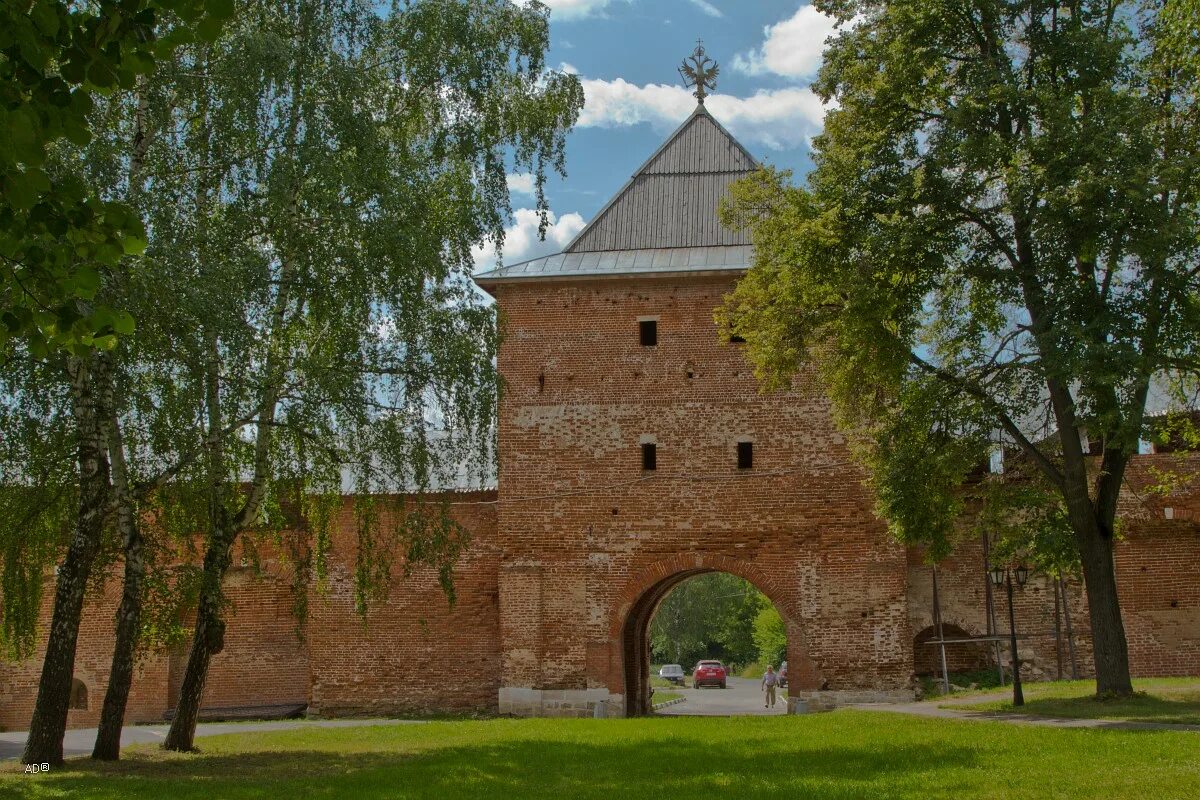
(646, 591)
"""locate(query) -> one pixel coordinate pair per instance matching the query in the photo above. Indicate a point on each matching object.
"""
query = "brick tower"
(636, 451)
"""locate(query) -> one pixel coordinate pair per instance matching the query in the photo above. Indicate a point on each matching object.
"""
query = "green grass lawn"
(1158, 700)
(844, 754)
(662, 683)
(982, 680)
(665, 697)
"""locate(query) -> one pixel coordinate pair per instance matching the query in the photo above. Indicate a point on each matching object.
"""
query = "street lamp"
(1004, 576)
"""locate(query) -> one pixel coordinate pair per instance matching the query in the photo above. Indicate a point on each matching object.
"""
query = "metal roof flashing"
(674, 261)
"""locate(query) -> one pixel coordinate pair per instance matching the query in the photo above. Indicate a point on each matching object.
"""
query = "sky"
(626, 53)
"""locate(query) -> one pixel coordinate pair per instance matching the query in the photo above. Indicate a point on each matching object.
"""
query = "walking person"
(769, 681)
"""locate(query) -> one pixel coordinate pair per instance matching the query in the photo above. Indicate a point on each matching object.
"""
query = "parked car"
(782, 675)
(708, 673)
(672, 673)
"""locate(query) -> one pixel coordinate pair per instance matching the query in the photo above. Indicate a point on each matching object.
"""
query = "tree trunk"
(207, 641)
(1062, 590)
(120, 677)
(49, 722)
(1110, 651)
(129, 615)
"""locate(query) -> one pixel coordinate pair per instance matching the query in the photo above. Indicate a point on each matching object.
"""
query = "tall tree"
(57, 237)
(340, 167)
(997, 246)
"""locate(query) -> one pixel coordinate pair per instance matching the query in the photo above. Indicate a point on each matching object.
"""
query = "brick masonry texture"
(571, 555)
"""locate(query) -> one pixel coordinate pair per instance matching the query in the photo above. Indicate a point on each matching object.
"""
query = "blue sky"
(626, 53)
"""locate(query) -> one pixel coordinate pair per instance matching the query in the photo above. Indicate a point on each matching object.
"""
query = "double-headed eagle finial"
(700, 71)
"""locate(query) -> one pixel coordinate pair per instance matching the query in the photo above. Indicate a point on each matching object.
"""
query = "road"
(741, 697)
(79, 741)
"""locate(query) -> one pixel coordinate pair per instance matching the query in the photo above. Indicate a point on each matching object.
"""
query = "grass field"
(663, 696)
(662, 683)
(844, 754)
(1175, 700)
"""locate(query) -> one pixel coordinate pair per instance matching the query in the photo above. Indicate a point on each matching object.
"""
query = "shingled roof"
(664, 219)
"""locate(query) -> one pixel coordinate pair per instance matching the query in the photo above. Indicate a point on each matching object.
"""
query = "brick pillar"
(520, 638)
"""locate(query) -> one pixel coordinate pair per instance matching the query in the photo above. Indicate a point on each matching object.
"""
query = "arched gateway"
(637, 451)
(641, 598)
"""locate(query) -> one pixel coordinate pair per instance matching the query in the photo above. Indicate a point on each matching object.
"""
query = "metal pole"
(990, 604)
(1058, 632)
(1018, 695)
(1062, 587)
(937, 620)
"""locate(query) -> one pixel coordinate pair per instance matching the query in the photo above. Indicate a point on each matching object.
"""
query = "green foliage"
(998, 246)
(321, 319)
(709, 616)
(37, 496)
(314, 178)
(770, 637)
(57, 236)
(1027, 523)
(1181, 33)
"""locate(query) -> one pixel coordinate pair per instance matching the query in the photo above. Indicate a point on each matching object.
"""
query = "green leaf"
(85, 282)
(122, 323)
(220, 9)
(134, 245)
(19, 191)
(45, 16)
(208, 29)
(23, 132)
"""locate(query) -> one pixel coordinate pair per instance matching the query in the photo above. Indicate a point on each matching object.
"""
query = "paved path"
(742, 697)
(935, 710)
(79, 741)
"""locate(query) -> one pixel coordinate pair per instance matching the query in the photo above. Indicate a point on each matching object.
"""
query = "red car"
(708, 673)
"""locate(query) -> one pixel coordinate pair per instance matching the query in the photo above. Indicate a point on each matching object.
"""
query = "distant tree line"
(721, 616)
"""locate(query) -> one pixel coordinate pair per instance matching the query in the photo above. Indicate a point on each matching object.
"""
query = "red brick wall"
(265, 661)
(1158, 578)
(413, 653)
(19, 680)
(962, 594)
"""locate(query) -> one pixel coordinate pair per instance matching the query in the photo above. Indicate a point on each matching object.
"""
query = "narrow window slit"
(648, 331)
(649, 457)
(745, 455)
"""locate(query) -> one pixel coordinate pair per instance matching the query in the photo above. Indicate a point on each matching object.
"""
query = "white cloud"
(791, 48)
(521, 241)
(576, 9)
(777, 118)
(521, 183)
(707, 8)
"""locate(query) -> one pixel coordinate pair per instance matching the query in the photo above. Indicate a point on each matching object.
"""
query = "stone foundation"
(812, 702)
(524, 702)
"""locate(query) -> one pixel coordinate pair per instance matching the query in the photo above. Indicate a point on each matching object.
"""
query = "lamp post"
(1004, 576)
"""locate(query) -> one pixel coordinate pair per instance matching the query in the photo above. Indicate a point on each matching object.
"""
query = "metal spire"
(700, 71)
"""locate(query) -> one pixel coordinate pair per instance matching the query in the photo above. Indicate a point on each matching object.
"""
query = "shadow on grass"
(1139, 708)
(517, 767)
